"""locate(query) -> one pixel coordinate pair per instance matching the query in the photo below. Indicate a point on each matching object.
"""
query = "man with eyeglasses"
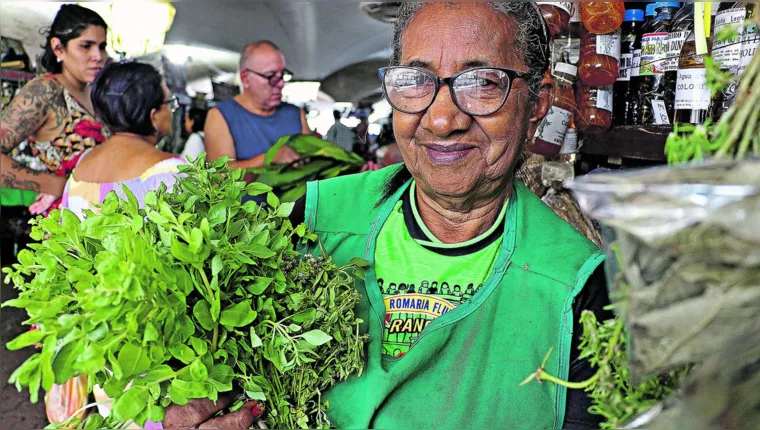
(246, 126)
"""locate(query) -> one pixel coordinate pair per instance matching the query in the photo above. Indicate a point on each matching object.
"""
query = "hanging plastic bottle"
(602, 17)
(632, 100)
(557, 15)
(727, 53)
(550, 134)
(750, 38)
(656, 98)
(692, 104)
(623, 88)
(567, 44)
(594, 114)
(599, 65)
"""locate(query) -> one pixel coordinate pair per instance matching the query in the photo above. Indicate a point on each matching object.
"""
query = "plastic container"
(655, 98)
(692, 102)
(750, 38)
(602, 17)
(633, 98)
(594, 114)
(557, 15)
(623, 90)
(550, 134)
(600, 54)
(567, 44)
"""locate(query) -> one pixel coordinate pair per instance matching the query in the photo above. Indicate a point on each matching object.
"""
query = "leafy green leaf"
(130, 403)
(316, 337)
(133, 360)
(25, 339)
(238, 315)
(255, 339)
(202, 314)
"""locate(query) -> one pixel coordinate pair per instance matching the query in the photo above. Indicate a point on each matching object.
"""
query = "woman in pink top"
(135, 104)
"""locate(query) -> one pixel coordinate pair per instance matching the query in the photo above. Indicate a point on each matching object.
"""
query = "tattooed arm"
(38, 107)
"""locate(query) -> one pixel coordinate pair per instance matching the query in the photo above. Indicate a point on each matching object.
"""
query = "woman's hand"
(371, 167)
(42, 203)
(197, 413)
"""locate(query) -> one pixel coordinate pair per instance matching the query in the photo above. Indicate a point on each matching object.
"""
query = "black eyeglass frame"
(173, 103)
(511, 74)
(285, 72)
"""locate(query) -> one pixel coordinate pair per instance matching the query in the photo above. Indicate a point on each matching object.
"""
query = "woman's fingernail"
(257, 408)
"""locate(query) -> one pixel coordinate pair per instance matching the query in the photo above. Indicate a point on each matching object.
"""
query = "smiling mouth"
(448, 154)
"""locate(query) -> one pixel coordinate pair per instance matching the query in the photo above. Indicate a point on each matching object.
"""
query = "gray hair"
(532, 35)
(249, 49)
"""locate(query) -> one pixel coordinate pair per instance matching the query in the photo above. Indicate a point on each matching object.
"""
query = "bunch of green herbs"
(186, 298)
(320, 159)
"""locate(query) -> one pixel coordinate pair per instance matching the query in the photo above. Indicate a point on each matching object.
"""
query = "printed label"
(653, 53)
(660, 112)
(554, 126)
(626, 63)
(728, 53)
(675, 43)
(691, 89)
(608, 44)
(576, 16)
(636, 62)
(604, 98)
(567, 6)
(570, 145)
(750, 41)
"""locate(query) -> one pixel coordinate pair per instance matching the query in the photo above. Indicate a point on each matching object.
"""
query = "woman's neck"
(456, 221)
(135, 138)
(72, 84)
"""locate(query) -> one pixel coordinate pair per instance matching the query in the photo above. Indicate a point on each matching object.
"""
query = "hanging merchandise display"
(632, 100)
(567, 44)
(692, 100)
(594, 114)
(624, 88)
(655, 99)
(599, 63)
(557, 15)
(550, 134)
(602, 17)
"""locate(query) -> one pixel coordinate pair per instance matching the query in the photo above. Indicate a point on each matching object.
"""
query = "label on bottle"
(675, 43)
(660, 112)
(604, 98)
(608, 44)
(554, 126)
(570, 145)
(728, 53)
(691, 90)
(567, 6)
(654, 51)
(750, 41)
(636, 63)
(576, 16)
(626, 64)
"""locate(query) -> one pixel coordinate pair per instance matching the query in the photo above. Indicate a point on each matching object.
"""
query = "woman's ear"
(154, 119)
(542, 105)
(57, 46)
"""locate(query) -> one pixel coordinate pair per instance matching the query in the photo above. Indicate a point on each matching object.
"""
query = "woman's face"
(450, 153)
(162, 117)
(84, 57)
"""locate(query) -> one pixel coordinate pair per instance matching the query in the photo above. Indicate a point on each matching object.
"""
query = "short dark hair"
(69, 23)
(198, 117)
(337, 114)
(124, 94)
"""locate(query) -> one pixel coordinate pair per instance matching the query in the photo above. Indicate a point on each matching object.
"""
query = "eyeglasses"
(173, 103)
(273, 78)
(479, 92)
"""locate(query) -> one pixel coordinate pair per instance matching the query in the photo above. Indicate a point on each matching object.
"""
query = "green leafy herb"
(185, 298)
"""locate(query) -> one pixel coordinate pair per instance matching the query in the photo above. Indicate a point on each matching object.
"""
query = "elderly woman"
(472, 278)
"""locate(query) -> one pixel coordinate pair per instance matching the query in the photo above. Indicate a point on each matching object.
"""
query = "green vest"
(465, 368)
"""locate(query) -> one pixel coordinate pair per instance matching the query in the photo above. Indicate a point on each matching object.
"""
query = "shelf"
(15, 75)
(634, 142)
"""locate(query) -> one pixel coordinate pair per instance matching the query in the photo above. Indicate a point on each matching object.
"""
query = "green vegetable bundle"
(320, 159)
(187, 298)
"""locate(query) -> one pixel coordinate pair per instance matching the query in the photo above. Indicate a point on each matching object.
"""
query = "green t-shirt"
(421, 278)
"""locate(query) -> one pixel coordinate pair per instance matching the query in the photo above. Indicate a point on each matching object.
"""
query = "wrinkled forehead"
(444, 35)
(266, 59)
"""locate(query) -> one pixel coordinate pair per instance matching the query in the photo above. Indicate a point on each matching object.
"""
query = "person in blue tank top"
(246, 126)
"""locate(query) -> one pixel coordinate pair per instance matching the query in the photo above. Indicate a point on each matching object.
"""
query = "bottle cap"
(634, 15)
(663, 4)
(565, 68)
(650, 9)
